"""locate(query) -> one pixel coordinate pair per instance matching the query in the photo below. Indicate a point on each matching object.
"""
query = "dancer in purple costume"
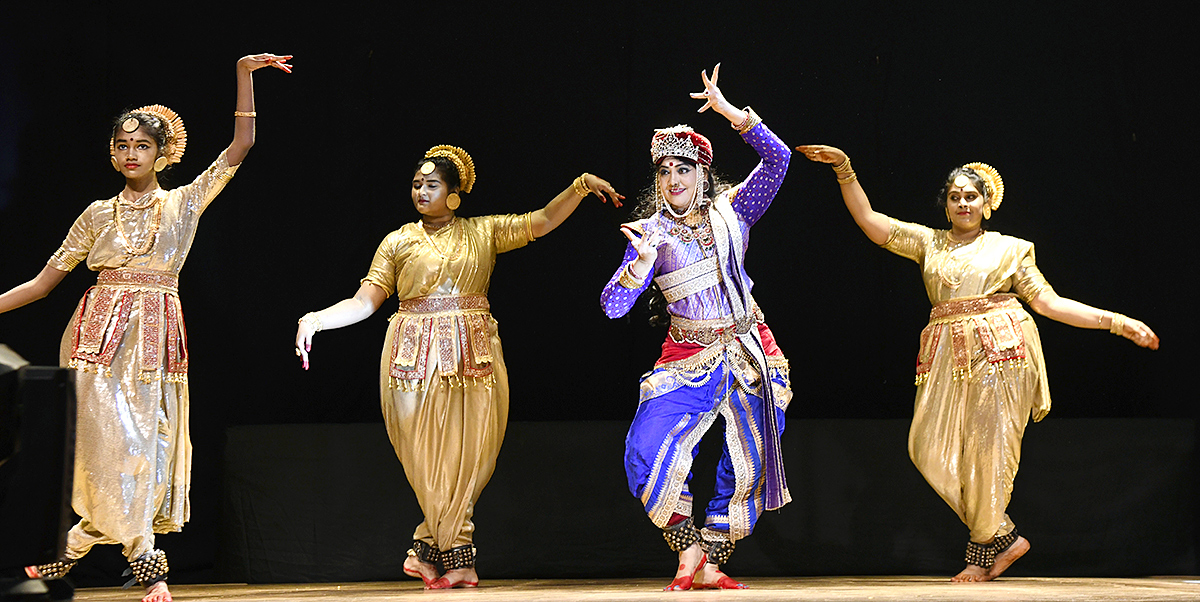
(689, 248)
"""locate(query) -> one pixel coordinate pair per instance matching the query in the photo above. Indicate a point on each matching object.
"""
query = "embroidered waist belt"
(139, 278)
(454, 332)
(692, 279)
(708, 332)
(438, 305)
(992, 323)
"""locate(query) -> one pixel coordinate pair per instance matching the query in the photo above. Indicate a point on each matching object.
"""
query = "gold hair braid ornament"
(461, 160)
(176, 133)
(994, 184)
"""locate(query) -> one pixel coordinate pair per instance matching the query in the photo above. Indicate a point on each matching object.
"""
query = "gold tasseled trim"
(408, 385)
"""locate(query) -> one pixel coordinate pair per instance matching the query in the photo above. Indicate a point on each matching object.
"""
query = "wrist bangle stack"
(580, 185)
(845, 172)
(752, 119)
(629, 279)
(1117, 326)
(244, 114)
(312, 320)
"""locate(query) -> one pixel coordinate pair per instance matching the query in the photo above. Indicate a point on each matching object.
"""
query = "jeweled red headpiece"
(680, 141)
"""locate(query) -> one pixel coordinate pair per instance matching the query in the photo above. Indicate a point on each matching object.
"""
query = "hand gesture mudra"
(1139, 333)
(600, 187)
(646, 246)
(711, 95)
(823, 154)
(254, 62)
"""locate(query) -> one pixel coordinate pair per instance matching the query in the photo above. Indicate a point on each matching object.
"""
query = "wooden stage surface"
(848, 589)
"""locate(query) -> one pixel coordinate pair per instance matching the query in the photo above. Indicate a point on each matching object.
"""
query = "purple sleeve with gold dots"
(756, 193)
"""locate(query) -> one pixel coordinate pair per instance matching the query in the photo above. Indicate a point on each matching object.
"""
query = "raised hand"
(600, 187)
(646, 246)
(823, 154)
(254, 62)
(711, 95)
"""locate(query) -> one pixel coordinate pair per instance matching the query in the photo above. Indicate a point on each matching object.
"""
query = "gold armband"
(244, 114)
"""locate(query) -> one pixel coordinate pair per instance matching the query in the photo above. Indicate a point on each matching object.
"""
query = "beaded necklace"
(454, 230)
(152, 235)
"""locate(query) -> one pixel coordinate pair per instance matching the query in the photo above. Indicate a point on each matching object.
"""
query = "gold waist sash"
(454, 332)
(992, 322)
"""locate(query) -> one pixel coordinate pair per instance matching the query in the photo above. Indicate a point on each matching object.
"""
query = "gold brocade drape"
(133, 452)
(973, 402)
(444, 384)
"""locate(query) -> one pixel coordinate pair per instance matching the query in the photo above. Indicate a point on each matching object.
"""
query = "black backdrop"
(1085, 111)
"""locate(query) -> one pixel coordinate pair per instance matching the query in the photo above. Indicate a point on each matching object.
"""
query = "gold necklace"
(453, 226)
(152, 235)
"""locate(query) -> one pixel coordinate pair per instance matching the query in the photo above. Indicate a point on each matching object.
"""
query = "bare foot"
(972, 574)
(465, 577)
(157, 593)
(690, 561)
(422, 570)
(711, 577)
(1006, 558)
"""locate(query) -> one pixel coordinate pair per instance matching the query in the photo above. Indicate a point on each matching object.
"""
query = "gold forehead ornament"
(428, 168)
(130, 125)
(962, 181)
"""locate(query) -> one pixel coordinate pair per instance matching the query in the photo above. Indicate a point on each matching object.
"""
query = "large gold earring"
(987, 211)
(160, 164)
(948, 215)
(453, 201)
(116, 166)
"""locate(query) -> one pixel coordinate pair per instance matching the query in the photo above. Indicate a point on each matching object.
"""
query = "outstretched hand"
(600, 187)
(1139, 333)
(711, 95)
(254, 62)
(823, 154)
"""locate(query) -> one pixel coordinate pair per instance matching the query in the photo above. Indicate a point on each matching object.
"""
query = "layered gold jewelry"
(994, 184)
(845, 172)
(461, 160)
(312, 320)
(457, 246)
(152, 233)
(245, 114)
(1117, 326)
(752, 119)
(580, 185)
(176, 133)
(629, 279)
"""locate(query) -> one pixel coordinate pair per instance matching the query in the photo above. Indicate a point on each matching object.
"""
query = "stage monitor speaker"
(37, 460)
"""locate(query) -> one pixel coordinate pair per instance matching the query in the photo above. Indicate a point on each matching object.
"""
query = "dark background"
(1086, 111)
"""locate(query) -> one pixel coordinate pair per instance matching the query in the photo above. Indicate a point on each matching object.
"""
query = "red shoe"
(725, 582)
(684, 583)
(444, 583)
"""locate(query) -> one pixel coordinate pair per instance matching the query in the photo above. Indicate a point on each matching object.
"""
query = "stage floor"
(848, 589)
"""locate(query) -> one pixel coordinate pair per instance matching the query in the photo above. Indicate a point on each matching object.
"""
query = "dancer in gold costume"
(443, 382)
(127, 341)
(980, 371)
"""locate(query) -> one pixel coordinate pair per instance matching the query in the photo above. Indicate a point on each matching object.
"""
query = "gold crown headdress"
(680, 141)
(461, 160)
(176, 133)
(993, 183)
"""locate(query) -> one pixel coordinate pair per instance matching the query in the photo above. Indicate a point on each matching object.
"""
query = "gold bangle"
(752, 119)
(580, 185)
(312, 320)
(629, 280)
(1117, 326)
(844, 167)
(244, 114)
(848, 179)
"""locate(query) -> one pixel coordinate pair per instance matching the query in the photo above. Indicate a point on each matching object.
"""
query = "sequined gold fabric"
(981, 374)
(132, 452)
(442, 377)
